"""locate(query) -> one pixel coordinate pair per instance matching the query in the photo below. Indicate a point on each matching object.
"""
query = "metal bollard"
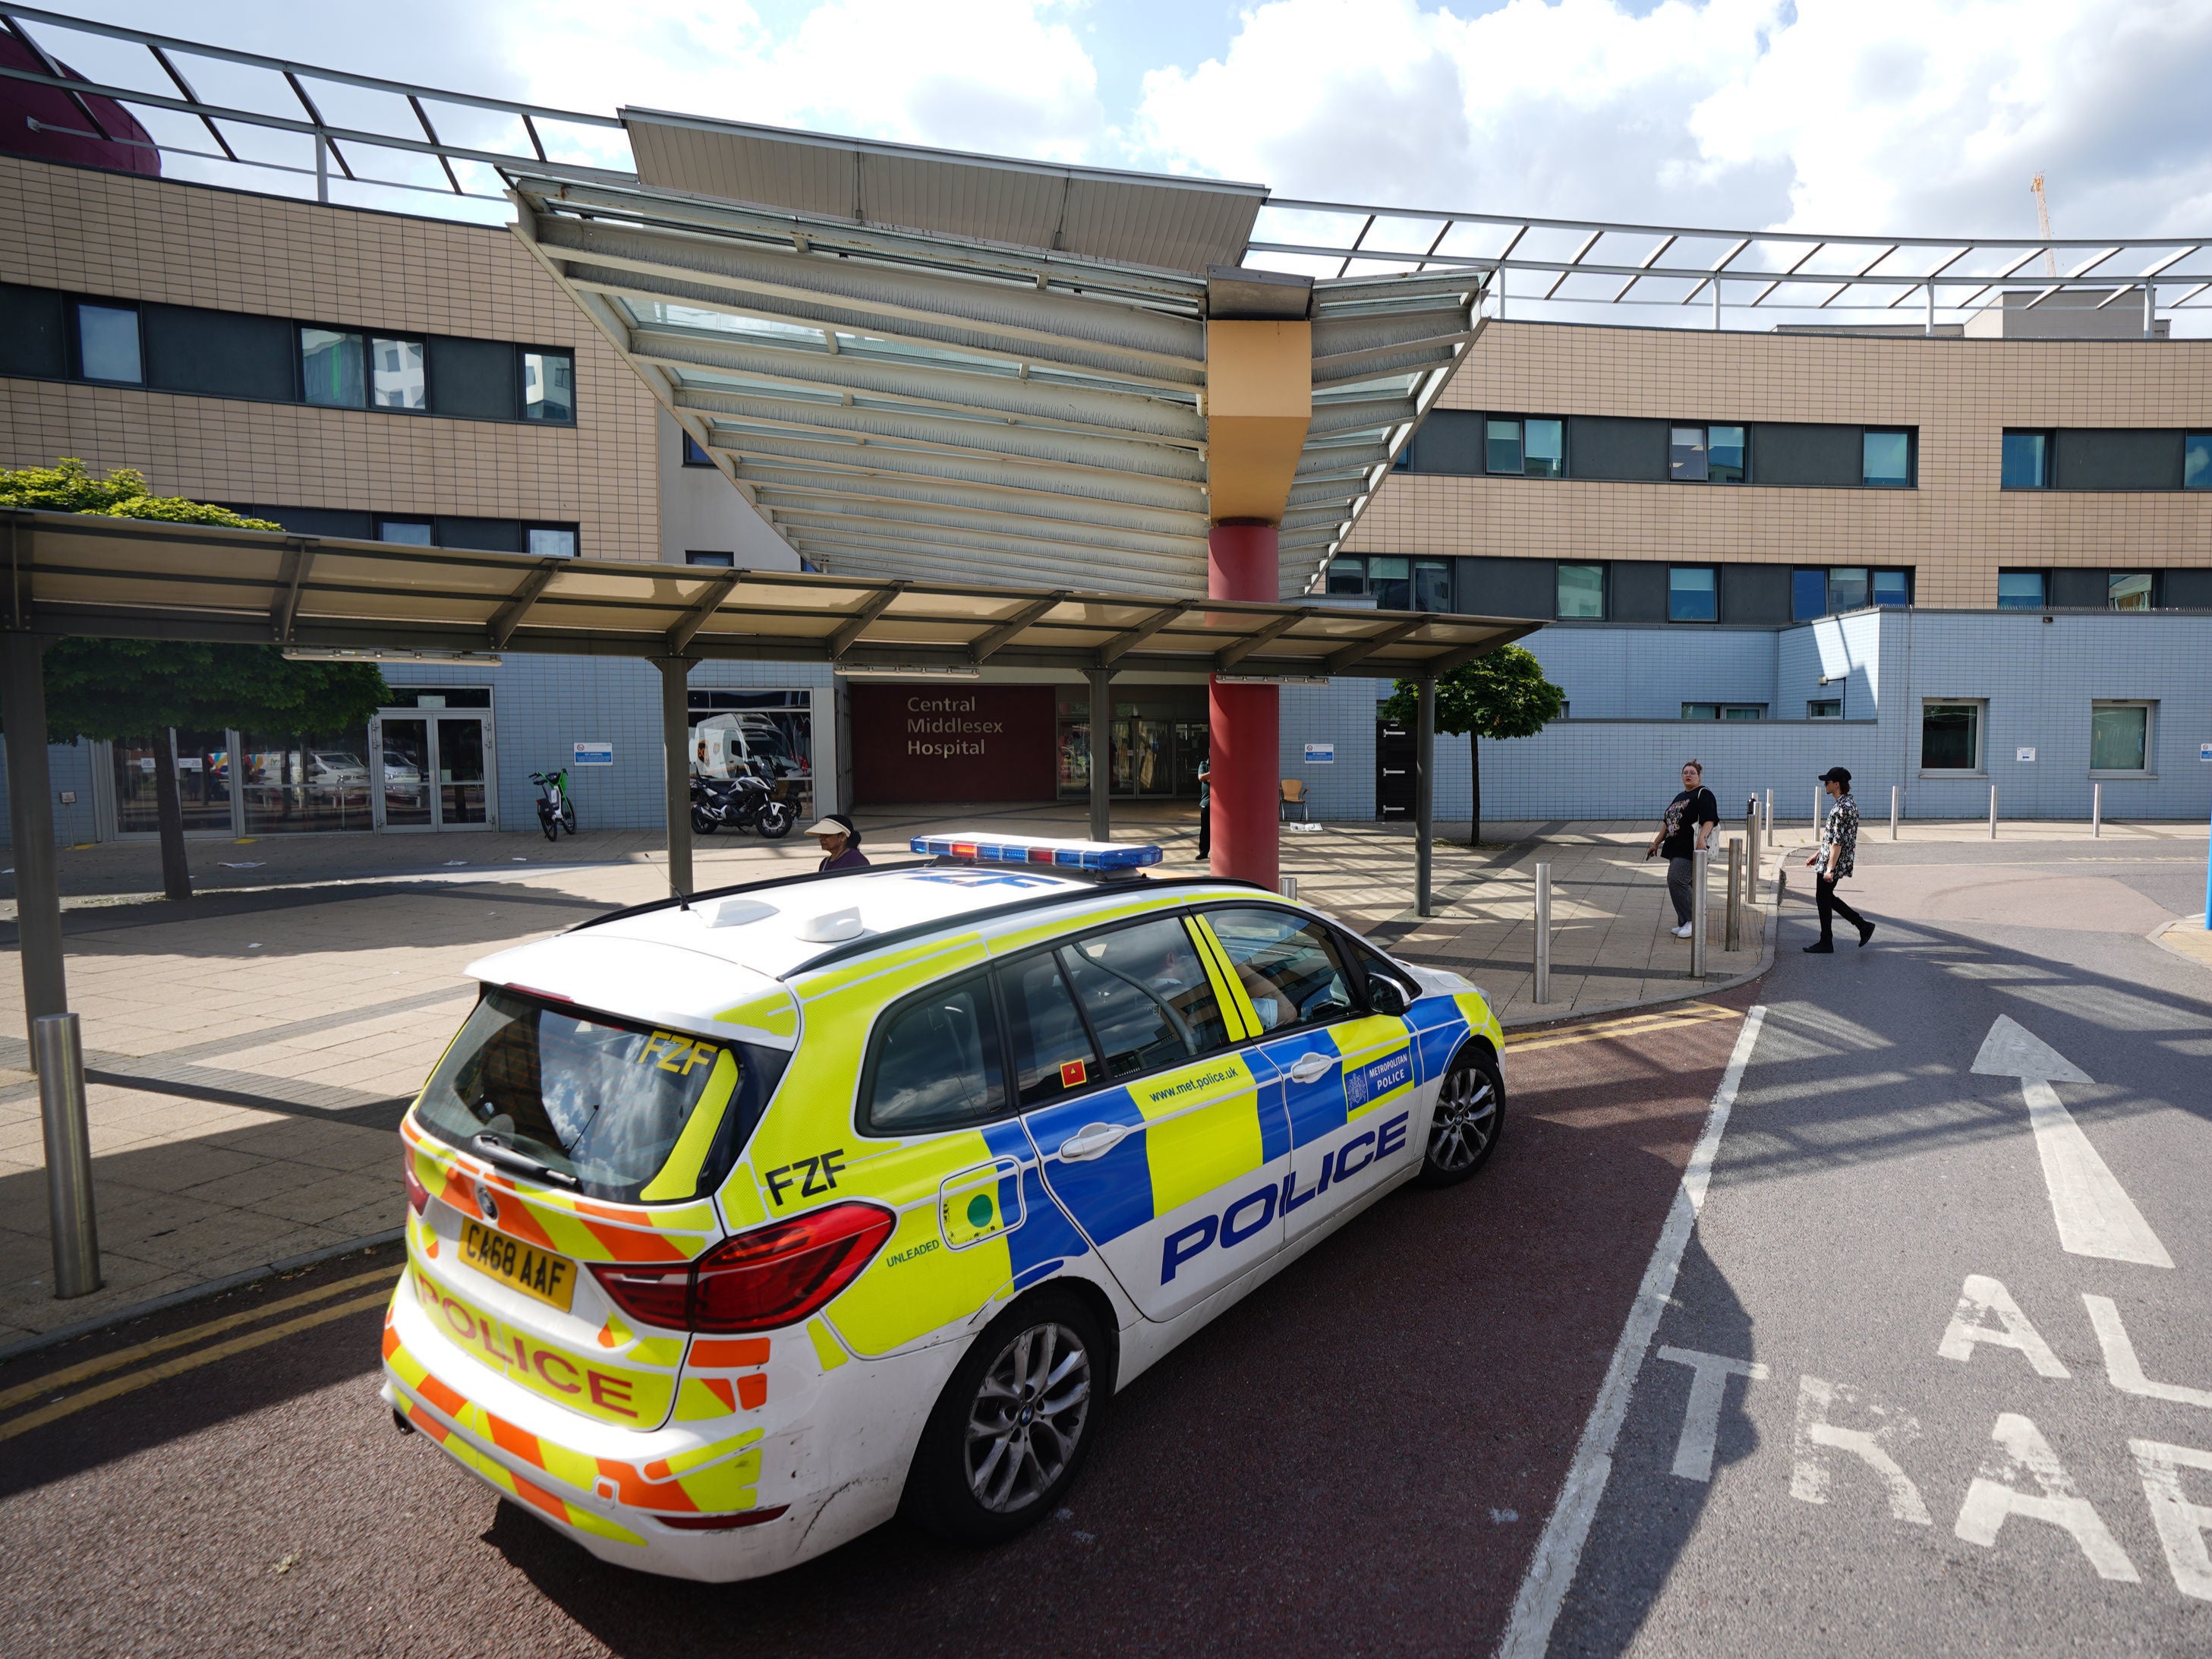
(1290, 888)
(1751, 855)
(1735, 892)
(1894, 792)
(58, 1045)
(2096, 811)
(1543, 992)
(1819, 796)
(1769, 815)
(1993, 811)
(1700, 862)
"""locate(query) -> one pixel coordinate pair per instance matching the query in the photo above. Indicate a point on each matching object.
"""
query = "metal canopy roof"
(82, 573)
(892, 399)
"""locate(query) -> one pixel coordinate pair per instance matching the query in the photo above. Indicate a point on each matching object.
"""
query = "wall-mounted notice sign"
(595, 754)
(2204, 751)
(1320, 754)
(2023, 754)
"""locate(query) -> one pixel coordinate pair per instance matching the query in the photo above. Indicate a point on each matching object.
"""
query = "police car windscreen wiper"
(497, 1150)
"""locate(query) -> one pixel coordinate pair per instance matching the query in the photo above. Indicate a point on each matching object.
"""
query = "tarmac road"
(1943, 1454)
(1357, 1460)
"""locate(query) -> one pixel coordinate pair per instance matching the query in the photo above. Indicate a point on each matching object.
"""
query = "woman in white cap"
(840, 843)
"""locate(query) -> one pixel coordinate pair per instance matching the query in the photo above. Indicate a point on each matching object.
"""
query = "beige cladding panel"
(1957, 529)
(145, 239)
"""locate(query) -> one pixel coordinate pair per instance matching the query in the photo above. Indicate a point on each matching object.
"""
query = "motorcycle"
(741, 801)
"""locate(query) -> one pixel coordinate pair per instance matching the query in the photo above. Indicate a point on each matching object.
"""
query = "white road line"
(1559, 1550)
(2094, 1213)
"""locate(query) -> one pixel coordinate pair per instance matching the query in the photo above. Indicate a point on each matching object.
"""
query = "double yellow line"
(377, 1286)
(1667, 1019)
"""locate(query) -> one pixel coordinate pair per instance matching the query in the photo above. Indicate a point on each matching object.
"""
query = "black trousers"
(1205, 829)
(1823, 895)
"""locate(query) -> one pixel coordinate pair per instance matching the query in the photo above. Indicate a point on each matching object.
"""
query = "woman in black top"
(1691, 817)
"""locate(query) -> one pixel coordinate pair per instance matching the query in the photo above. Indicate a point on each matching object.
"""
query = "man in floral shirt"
(1840, 840)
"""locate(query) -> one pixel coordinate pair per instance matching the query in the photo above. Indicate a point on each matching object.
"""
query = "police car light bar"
(1024, 849)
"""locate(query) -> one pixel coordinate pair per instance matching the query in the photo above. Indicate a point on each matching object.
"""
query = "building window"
(1808, 595)
(396, 379)
(2129, 590)
(1346, 575)
(2020, 590)
(414, 532)
(1893, 589)
(552, 541)
(1846, 587)
(719, 560)
(1431, 585)
(1706, 454)
(1582, 592)
(1888, 463)
(694, 454)
(2026, 461)
(549, 386)
(1724, 711)
(2197, 461)
(1824, 709)
(1502, 447)
(2119, 739)
(1391, 582)
(108, 344)
(1544, 449)
(1951, 736)
(330, 368)
(1693, 593)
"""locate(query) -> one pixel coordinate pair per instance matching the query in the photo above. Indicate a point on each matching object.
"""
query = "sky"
(1927, 117)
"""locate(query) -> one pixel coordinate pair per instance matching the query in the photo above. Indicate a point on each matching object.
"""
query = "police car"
(738, 1222)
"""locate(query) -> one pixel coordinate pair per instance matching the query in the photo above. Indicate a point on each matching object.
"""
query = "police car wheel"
(1470, 1111)
(1013, 1425)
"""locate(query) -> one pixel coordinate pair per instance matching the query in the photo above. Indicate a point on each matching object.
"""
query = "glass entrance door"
(432, 771)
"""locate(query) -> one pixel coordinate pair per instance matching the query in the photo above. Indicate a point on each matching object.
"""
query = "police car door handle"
(1092, 1140)
(1307, 1067)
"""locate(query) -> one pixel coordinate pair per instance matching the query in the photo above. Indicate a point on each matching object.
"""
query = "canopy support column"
(1424, 798)
(1101, 752)
(676, 749)
(31, 819)
(1244, 721)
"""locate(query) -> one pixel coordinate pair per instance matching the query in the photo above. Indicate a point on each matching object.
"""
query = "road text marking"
(1701, 1417)
(1992, 1499)
(1983, 1295)
(1809, 1477)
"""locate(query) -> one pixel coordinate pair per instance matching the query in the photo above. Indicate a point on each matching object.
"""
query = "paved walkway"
(249, 1051)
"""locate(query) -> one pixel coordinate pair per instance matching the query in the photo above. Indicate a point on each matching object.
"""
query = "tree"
(121, 688)
(1501, 694)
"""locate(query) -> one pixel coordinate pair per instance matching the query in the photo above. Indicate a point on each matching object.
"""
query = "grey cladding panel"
(217, 354)
(2118, 459)
(1639, 591)
(317, 521)
(1807, 455)
(2188, 590)
(483, 535)
(2079, 589)
(1508, 587)
(1449, 442)
(1632, 451)
(31, 332)
(477, 379)
(1755, 592)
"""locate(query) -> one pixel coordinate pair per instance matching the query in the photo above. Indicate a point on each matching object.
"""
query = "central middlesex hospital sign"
(927, 743)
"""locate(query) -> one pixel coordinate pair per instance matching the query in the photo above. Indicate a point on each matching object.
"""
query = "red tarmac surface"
(1356, 1460)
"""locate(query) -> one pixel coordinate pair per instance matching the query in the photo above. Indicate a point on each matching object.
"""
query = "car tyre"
(1470, 1113)
(1015, 1422)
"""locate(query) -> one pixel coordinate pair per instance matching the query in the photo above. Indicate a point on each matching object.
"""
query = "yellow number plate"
(550, 1279)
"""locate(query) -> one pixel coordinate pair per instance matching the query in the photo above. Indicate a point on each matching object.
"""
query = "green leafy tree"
(1501, 694)
(127, 689)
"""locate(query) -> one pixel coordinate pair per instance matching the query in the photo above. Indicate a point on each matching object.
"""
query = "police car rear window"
(625, 1111)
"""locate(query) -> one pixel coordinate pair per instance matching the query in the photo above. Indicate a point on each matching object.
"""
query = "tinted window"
(1289, 966)
(1685, 454)
(937, 1063)
(1582, 591)
(1051, 1051)
(1431, 586)
(1889, 459)
(216, 353)
(1724, 455)
(1145, 994)
(2120, 738)
(1545, 449)
(2026, 460)
(107, 343)
(473, 379)
(1390, 580)
(2129, 590)
(330, 368)
(1848, 588)
(1693, 594)
(31, 332)
(1808, 594)
(396, 376)
(1348, 575)
(1891, 587)
(1502, 447)
(551, 542)
(549, 386)
(1950, 737)
(415, 533)
(694, 455)
(2020, 590)
(2197, 461)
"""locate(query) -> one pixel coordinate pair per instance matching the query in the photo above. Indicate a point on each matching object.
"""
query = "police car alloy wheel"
(1014, 1424)
(1470, 1110)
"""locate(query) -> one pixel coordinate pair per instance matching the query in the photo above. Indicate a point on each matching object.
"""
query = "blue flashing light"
(1062, 855)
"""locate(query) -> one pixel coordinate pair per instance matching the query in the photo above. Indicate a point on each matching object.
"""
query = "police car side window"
(937, 1063)
(1290, 966)
(1144, 994)
(1052, 1050)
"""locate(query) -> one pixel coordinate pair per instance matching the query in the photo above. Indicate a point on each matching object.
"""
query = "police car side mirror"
(1387, 996)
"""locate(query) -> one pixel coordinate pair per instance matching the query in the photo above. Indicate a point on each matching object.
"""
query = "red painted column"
(1242, 563)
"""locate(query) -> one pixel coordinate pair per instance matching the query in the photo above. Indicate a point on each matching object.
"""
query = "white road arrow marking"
(2095, 1215)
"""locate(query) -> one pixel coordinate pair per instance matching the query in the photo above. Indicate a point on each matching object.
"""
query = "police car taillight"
(1104, 856)
(418, 1195)
(760, 1280)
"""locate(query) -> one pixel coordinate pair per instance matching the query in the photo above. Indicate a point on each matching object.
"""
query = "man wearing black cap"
(1839, 839)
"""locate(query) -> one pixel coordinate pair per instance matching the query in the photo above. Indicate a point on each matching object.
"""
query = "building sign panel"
(594, 753)
(1320, 754)
(935, 742)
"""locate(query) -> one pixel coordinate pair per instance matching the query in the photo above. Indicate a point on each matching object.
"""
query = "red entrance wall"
(937, 743)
